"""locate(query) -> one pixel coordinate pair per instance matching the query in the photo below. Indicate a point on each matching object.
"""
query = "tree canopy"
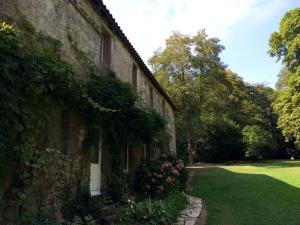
(285, 45)
(214, 104)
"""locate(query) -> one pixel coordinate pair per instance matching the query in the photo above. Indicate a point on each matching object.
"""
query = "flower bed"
(160, 177)
(153, 212)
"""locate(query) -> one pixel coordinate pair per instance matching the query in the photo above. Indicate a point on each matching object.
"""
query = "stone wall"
(80, 29)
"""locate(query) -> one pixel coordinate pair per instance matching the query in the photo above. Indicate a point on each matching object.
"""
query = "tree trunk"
(190, 152)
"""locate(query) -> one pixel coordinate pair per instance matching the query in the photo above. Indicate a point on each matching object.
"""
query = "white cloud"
(147, 23)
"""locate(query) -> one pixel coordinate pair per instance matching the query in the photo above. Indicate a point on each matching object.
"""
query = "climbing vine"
(34, 79)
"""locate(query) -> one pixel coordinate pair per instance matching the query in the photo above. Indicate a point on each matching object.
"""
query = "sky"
(243, 27)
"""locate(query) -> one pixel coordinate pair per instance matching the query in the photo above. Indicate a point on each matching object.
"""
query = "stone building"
(89, 26)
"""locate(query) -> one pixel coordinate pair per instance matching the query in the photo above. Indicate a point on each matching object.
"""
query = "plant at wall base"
(152, 212)
(149, 212)
(87, 220)
(78, 205)
(118, 187)
(160, 177)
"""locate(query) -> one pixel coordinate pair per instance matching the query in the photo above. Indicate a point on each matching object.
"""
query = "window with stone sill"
(106, 50)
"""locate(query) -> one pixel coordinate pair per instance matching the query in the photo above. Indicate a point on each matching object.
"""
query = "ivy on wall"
(34, 79)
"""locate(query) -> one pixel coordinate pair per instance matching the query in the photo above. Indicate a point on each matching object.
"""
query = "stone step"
(108, 210)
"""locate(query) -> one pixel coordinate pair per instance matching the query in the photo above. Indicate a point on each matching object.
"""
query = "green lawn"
(251, 194)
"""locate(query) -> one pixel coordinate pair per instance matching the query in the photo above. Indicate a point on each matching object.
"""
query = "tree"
(214, 104)
(188, 68)
(282, 81)
(285, 44)
(287, 105)
(259, 142)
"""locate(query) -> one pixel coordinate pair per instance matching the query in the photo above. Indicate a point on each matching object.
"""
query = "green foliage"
(175, 202)
(123, 119)
(118, 187)
(223, 142)
(160, 177)
(30, 80)
(114, 103)
(287, 106)
(259, 142)
(282, 81)
(88, 220)
(78, 205)
(214, 104)
(148, 212)
(285, 44)
(38, 216)
(153, 212)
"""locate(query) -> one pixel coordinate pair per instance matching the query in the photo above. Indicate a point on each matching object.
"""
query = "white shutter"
(95, 178)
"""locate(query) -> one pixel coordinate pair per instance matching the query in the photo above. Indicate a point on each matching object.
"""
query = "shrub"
(160, 177)
(223, 142)
(259, 143)
(88, 220)
(175, 202)
(148, 212)
(118, 187)
(153, 212)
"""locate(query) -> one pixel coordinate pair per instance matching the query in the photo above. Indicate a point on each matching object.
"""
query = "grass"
(265, 193)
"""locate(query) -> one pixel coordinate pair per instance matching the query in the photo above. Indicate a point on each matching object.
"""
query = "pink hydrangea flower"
(166, 165)
(164, 156)
(175, 172)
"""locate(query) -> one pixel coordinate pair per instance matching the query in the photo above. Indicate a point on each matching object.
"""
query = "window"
(151, 96)
(106, 50)
(134, 77)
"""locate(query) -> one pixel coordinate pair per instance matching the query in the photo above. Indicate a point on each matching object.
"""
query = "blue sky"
(243, 26)
(247, 46)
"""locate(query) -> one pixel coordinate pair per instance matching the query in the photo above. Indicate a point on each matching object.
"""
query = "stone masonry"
(191, 213)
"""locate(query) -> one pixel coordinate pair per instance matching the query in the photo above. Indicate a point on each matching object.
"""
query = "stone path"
(191, 213)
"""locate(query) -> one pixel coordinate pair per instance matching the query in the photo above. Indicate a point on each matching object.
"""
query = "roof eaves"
(113, 25)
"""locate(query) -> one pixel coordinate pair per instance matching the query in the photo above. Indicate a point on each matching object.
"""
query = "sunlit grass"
(265, 193)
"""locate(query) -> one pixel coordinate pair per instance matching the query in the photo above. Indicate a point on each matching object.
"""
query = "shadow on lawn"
(246, 199)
